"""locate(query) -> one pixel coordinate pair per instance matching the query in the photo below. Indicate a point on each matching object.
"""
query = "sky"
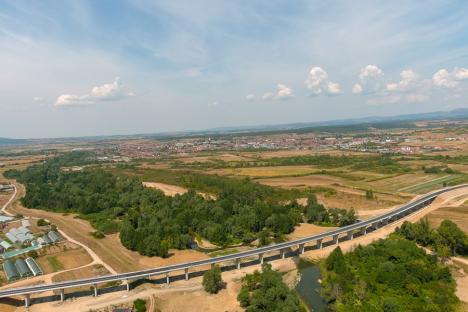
(84, 68)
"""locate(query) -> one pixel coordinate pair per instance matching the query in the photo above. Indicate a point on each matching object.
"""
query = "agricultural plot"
(429, 185)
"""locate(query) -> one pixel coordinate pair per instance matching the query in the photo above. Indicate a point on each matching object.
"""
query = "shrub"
(212, 280)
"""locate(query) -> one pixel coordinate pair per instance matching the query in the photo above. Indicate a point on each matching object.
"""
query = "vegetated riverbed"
(309, 286)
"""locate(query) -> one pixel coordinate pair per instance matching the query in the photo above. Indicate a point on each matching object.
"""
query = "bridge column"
(95, 290)
(260, 258)
(301, 248)
(238, 263)
(27, 300)
(168, 280)
(319, 243)
(350, 235)
(375, 225)
(335, 239)
(62, 295)
(283, 253)
(186, 274)
(127, 283)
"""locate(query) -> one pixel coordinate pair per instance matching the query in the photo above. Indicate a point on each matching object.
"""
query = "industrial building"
(11, 272)
(34, 267)
(22, 268)
(54, 236)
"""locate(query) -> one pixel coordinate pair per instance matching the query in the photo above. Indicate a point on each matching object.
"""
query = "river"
(309, 287)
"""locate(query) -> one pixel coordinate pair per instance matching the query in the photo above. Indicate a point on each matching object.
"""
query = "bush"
(139, 305)
(212, 280)
(97, 234)
(42, 222)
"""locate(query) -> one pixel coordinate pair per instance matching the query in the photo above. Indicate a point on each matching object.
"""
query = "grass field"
(429, 185)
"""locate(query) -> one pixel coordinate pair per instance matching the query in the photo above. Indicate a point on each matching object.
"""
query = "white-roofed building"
(25, 223)
(11, 237)
(5, 245)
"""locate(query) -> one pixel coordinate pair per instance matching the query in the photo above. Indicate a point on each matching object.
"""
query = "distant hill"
(6, 141)
(398, 121)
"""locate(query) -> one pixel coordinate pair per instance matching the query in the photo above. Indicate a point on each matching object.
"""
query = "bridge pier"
(186, 274)
(350, 235)
(283, 253)
(238, 263)
(127, 284)
(335, 239)
(375, 225)
(260, 258)
(168, 280)
(301, 248)
(319, 243)
(62, 295)
(27, 300)
(95, 290)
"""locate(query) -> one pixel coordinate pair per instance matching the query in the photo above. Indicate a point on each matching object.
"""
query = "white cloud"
(357, 88)
(107, 92)
(213, 104)
(250, 97)
(409, 81)
(318, 82)
(444, 78)
(38, 99)
(370, 80)
(283, 93)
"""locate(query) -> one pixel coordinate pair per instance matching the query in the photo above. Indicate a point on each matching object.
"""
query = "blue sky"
(75, 68)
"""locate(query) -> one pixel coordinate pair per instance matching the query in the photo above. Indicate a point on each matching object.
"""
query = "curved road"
(349, 230)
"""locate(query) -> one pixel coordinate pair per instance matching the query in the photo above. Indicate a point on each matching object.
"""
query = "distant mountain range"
(457, 114)
(460, 113)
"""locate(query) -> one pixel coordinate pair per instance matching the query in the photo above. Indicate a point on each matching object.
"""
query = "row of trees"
(265, 291)
(150, 222)
(380, 163)
(447, 240)
(389, 275)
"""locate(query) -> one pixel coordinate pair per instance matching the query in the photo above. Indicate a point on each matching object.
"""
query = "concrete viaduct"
(348, 232)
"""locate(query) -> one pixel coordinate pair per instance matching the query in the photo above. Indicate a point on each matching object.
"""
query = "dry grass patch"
(56, 259)
(459, 215)
(302, 182)
(273, 171)
(86, 272)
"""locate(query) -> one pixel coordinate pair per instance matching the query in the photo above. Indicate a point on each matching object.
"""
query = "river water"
(309, 287)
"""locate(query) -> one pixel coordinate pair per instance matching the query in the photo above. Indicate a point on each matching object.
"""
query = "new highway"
(359, 227)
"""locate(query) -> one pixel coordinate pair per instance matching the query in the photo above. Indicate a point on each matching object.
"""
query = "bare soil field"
(306, 229)
(168, 189)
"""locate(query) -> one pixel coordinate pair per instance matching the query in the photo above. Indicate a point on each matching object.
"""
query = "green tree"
(139, 305)
(212, 280)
